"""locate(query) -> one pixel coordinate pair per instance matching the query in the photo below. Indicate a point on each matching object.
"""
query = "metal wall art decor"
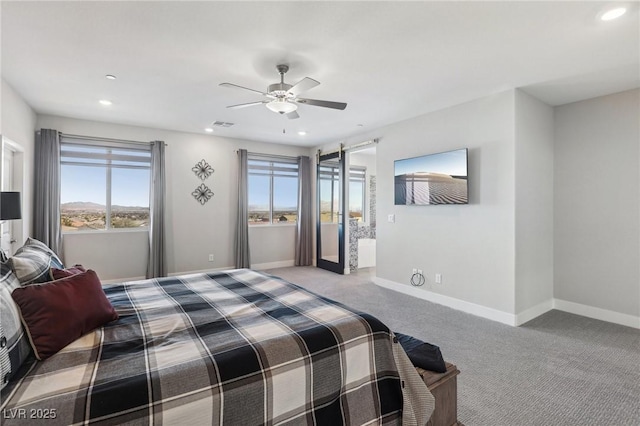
(202, 194)
(203, 170)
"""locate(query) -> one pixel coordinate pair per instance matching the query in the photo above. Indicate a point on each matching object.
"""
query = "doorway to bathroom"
(362, 210)
(330, 218)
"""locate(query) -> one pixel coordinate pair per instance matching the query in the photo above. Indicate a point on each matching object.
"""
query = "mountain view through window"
(103, 188)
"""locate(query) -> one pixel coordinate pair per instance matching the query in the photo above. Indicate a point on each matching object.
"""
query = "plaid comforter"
(234, 348)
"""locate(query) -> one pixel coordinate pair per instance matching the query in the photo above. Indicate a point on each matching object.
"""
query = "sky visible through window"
(285, 194)
(129, 187)
(356, 203)
(103, 187)
(355, 195)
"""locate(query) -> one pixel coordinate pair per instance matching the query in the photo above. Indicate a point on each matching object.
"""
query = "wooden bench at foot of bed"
(444, 388)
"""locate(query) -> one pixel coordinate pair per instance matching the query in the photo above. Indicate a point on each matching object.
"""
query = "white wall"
(18, 123)
(472, 245)
(272, 246)
(597, 199)
(112, 255)
(366, 159)
(534, 206)
(193, 231)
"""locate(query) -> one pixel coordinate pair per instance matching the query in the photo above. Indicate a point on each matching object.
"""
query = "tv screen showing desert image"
(432, 179)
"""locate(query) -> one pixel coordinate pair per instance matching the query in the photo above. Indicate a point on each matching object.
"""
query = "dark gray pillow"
(32, 262)
(14, 342)
(422, 354)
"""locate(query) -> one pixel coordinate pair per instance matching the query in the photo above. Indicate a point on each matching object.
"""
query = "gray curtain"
(304, 228)
(243, 258)
(157, 265)
(46, 201)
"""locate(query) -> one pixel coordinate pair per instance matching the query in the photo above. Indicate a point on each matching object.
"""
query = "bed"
(238, 347)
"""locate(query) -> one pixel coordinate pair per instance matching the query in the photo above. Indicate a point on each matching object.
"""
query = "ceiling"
(389, 61)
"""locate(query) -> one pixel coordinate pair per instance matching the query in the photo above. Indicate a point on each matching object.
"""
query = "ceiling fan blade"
(247, 104)
(292, 115)
(303, 85)
(326, 104)
(235, 86)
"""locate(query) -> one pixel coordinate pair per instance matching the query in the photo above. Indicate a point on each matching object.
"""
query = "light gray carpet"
(559, 369)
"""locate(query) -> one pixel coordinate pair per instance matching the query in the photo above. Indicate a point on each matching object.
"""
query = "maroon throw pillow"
(58, 312)
(56, 273)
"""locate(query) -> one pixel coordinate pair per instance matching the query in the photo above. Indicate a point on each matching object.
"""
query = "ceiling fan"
(283, 98)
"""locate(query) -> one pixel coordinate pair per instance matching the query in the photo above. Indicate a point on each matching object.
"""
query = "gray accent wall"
(597, 199)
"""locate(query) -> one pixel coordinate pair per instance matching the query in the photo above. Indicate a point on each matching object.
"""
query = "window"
(104, 185)
(329, 176)
(330, 196)
(273, 190)
(357, 193)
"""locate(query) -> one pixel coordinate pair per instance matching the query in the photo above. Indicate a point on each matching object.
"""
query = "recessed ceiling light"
(613, 14)
(110, 77)
(208, 130)
(302, 133)
(105, 102)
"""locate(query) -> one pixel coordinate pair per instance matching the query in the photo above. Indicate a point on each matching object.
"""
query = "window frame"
(359, 174)
(276, 164)
(74, 158)
(330, 172)
(356, 174)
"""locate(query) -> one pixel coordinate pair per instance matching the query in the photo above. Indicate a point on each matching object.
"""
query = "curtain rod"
(350, 147)
(287, 157)
(93, 138)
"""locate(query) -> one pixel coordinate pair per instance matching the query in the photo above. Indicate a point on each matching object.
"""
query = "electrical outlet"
(415, 271)
(420, 271)
(391, 218)
(438, 278)
(210, 258)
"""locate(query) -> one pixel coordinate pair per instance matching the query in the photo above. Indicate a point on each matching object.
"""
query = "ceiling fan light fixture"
(282, 106)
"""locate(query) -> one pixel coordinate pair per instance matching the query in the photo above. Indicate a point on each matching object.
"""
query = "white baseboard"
(534, 312)
(511, 319)
(597, 313)
(451, 302)
(273, 265)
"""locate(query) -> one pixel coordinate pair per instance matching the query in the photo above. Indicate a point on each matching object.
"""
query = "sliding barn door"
(330, 214)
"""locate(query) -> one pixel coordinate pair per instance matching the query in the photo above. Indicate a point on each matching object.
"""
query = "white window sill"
(272, 225)
(107, 231)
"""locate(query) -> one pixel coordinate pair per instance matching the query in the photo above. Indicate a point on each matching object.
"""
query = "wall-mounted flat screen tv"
(432, 179)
